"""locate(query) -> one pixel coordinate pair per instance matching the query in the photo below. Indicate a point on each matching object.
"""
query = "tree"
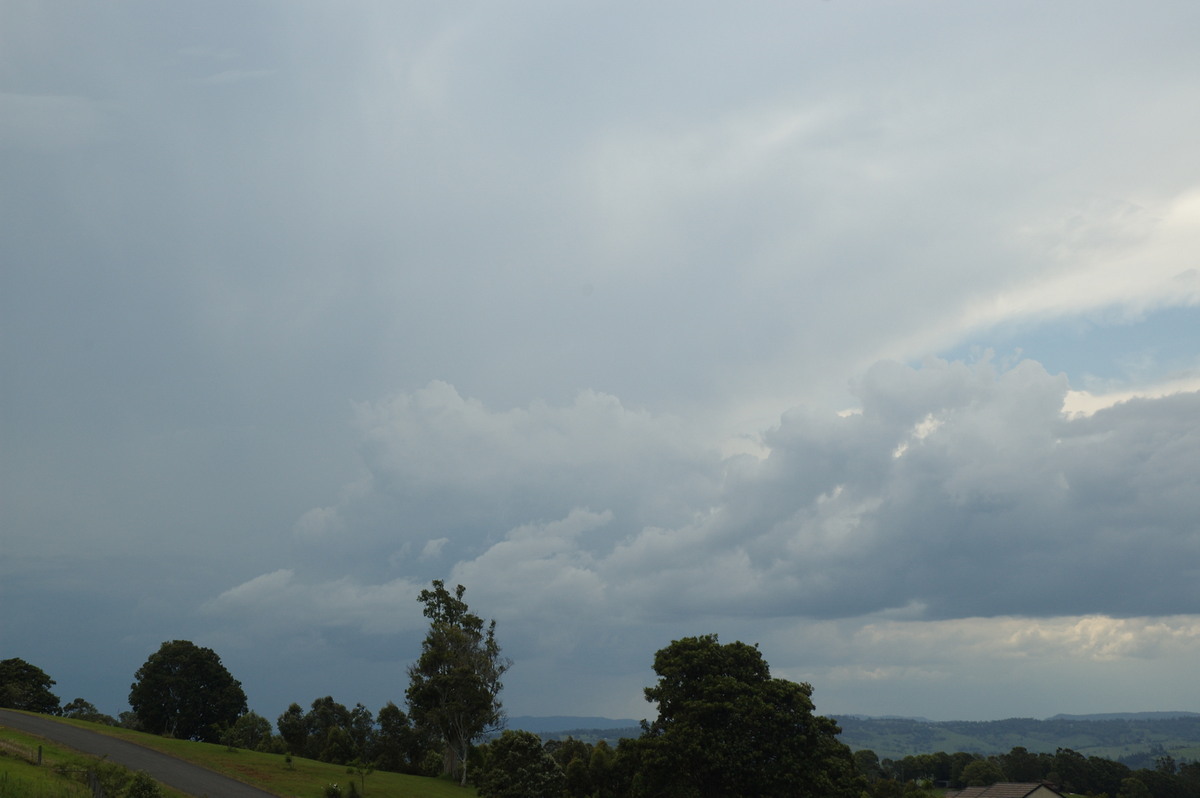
(398, 746)
(1105, 775)
(1069, 770)
(337, 746)
(866, 764)
(143, 786)
(982, 773)
(518, 767)
(725, 728)
(184, 691)
(357, 767)
(578, 778)
(1020, 765)
(574, 758)
(362, 730)
(454, 687)
(293, 729)
(27, 687)
(251, 731)
(80, 709)
(1133, 787)
(600, 767)
(328, 724)
(958, 762)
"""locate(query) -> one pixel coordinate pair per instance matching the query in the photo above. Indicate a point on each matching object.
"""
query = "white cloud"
(456, 469)
(319, 523)
(1063, 638)
(1086, 403)
(1041, 665)
(280, 604)
(1128, 257)
(433, 548)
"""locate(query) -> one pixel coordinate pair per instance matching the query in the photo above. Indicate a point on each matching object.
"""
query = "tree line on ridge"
(725, 728)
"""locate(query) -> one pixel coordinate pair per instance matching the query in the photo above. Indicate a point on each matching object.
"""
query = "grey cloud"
(960, 488)
(453, 464)
(278, 601)
(239, 242)
(1004, 506)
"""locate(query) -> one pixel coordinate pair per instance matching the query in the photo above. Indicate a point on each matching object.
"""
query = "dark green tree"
(454, 687)
(184, 691)
(1069, 769)
(143, 786)
(398, 746)
(251, 731)
(293, 729)
(982, 773)
(362, 730)
(1162, 784)
(725, 728)
(27, 687)
(518, 767)
(1133, 787)
(866, 764)
(624, 775)
(574, 759)
(1021, 765)
(321, 721)
(1105, 775)
(357, 767)
(80, 709)
(578, 778)
(338, 746)
(600, 769)
(958, 762)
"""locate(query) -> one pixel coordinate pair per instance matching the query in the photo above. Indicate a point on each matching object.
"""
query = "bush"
(518, 766)
(142, 786)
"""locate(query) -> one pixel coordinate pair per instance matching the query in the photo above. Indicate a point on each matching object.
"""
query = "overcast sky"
(865, 331)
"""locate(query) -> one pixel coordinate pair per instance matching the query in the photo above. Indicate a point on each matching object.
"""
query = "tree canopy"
(183, 690)
(518, 766)
(82, 709)
(454, 687)
(27, 687)
(726, 728)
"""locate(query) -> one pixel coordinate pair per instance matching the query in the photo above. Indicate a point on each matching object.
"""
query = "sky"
(868, 332)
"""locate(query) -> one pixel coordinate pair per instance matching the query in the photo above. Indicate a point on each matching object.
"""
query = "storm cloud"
(867, 333)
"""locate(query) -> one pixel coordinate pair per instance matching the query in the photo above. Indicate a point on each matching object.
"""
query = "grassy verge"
(301, 778)
(61, 773)
(23, 779)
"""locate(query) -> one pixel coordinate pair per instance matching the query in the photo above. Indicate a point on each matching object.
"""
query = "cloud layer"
(867, 333)
(960, 492)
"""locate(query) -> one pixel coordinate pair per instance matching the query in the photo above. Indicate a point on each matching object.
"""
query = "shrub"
(142, 786)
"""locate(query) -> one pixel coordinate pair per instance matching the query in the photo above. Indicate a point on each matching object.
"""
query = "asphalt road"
(191, 779)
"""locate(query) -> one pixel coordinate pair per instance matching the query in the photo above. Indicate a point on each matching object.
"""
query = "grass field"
(59, 776)
(301, 778)
(20, 778)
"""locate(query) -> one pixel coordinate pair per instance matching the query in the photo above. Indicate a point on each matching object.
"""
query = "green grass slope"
(61, 773)
(301, 778)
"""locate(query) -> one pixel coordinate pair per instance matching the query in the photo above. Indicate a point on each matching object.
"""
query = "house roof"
(1003, 790)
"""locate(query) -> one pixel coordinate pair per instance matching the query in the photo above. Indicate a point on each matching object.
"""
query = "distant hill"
(584, 728)
(1128, 716)
(1134, 738)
